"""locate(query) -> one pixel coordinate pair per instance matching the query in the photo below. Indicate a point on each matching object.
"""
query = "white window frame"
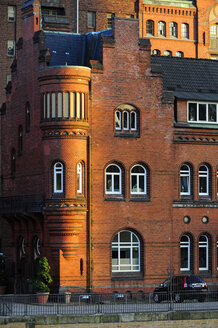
(167, 53)
(58, 169)
(174, 29)
(179, 54)
(204, 244)
(207, 112)
(118, 120)
(79, 178)
(133, 113)
(11, 45)
(203, 174)
(161, 28)
(138, 175)
(185, 173)
(131, 245)
(126, 128)
(185, 31)
(11, 14)
(113, 174)
(186, 245)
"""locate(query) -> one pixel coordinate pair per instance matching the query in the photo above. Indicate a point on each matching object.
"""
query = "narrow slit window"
(60, 105)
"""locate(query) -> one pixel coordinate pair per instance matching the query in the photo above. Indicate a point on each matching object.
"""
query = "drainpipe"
(77, 16)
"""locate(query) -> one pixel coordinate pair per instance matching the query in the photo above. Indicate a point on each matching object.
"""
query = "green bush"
(43, 276)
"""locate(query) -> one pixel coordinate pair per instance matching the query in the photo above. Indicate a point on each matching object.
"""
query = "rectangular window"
(11, 13)
(53, 105)
(11, 48)
(91, 16)
(109, 20)
(202, 112)
(66, 105)
(72, 105)
(78, 114)
(60, 104)
(48, 105)
(83, 106)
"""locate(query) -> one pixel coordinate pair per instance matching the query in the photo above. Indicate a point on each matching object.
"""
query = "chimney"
(31, 18)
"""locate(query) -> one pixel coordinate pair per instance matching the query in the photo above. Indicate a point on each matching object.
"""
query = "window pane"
(212, 113)
(126, 120)
(203, 185)
(118, 120)
(192, 112)
(141, 183)
(138, 169)
(202, 112)
(108, 182)
(133, 120)
(134, 183)
(184, 183)
(125, 236)
(58, 181)
(116, 183)
(184, 258)
(66, 105)
(53, 105)
(113, 168)
(202, 257)
(60, 105)
(78, 114)
(48, 105)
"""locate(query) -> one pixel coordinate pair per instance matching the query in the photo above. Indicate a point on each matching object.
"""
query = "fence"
(87, 304)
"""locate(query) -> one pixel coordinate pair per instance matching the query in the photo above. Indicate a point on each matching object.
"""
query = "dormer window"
(202, 112)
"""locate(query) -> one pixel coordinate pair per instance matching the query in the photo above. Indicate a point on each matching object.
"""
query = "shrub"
(43, 276)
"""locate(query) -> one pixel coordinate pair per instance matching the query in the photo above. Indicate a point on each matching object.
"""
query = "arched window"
(58, 177)
(203, 253)
(126, 120)
(138, 180)
(156, 52)
(27, 117)
(203, 180)
(113, 179)
(179, 54)
(168, 53)
(185, 180)
(173, 29)
(185, 30)
(185, 250)
(150, 27)
(13, 163)
(162, 28)
(126, 252)
(79, 178)
(20, 140)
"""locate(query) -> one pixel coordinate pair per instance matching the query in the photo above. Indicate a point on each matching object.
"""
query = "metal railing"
(87, 304)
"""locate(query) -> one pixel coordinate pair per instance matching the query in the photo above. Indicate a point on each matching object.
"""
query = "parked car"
(181, 288)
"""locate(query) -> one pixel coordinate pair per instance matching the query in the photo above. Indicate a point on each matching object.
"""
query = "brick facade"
(73, 120)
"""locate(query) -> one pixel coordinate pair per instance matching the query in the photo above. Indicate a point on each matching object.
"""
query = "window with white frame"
(185, 31)
(150, 27)
(185, 253)
(79, 178)
(11, 13)
(138, 180)
(113, 179)
(58, 177)
(156, 52)
(126, 119)
(200, 112)
(173, 29)
(126, 252)
(185, 180)
(162, 28)
(203, 180)
(203, 245)
(11, 48)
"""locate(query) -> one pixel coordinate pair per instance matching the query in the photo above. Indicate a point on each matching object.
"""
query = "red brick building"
(108, 161)
(180, 28)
